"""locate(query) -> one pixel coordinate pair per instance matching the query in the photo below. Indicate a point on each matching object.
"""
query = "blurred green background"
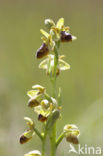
(82, 86)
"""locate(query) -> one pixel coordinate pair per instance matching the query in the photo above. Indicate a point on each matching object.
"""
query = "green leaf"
(33, 153)
(44, 33)
(60, 23)
(63, 65)
(32, 93)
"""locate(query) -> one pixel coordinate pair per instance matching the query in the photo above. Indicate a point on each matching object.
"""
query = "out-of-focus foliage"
(82, 86)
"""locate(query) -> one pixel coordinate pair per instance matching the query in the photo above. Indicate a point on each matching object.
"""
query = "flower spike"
(48, 108)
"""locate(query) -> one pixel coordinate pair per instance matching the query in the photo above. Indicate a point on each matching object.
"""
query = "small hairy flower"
(35, 101)
(43, 111)
(26, 136)
(71, 133)
(65, 37)
(42, 51)
(24, 139)
(48, 65)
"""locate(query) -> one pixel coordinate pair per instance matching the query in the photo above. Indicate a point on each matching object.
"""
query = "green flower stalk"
(48, 107)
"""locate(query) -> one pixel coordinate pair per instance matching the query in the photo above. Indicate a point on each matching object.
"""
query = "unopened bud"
(52, 119)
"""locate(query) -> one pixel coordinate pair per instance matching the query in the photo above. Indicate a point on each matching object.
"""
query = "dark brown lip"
(65, 36)
(42, 51)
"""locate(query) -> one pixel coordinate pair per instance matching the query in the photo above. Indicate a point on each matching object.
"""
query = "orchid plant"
(48, 107)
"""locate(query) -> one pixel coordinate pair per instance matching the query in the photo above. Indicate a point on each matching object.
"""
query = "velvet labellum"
(65, 37)
(42, 51)
(42, 118)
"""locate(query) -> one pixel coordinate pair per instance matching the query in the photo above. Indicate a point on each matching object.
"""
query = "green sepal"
(49, 23)
(39, 88)
(63, 65)
(44, 64)
(44, 33)
(29, 133)
(32, 93)
(30, 122)
(60, 23)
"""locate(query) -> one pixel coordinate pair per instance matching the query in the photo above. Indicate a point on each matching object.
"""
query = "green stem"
(43, 142)
(38, 133)
(43, 147)
(53, 131)
(53, 140)
(60, 138)
(43, 138)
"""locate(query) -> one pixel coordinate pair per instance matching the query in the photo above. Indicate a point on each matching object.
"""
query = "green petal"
(28, 133)
(44, 64)
(60, 23)
(38, 88)
(32, 93)
(29, 121)
(35, 100)
(63, 65)
(71, 129)
(44, 33)
(40, 110)
(49, 23)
